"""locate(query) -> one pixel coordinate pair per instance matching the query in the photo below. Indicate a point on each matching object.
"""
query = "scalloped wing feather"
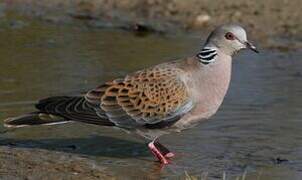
(146, 97)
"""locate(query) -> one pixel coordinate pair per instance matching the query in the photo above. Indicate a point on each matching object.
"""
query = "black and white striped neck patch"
(207, 55)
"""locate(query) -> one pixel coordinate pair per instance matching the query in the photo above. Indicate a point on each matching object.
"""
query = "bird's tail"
(35, 118)
(58, 110)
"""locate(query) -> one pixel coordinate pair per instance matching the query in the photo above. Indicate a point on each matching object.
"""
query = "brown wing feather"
(145, 97)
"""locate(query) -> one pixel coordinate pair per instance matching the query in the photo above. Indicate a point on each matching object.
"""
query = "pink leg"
(157, 153)
(164, 151)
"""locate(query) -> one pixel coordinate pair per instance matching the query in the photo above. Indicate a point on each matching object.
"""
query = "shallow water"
(257, 129)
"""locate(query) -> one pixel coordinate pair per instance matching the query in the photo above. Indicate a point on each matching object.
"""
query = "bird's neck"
(207, 55)
(211, 82)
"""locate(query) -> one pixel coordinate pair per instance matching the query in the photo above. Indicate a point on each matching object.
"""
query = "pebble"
(201, 20)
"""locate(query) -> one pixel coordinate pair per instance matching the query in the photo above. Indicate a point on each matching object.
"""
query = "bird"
(158, 100)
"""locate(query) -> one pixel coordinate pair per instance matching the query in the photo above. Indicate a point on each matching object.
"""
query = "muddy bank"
(267, 21)
(23, 163)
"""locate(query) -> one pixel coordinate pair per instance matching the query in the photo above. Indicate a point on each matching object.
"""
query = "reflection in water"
(258, 123)
(103, 146)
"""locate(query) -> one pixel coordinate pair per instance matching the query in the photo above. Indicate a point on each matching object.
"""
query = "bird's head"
(230, 39)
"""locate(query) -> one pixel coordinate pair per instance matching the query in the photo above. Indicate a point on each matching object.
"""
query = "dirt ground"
(44, 164)
(267, 21)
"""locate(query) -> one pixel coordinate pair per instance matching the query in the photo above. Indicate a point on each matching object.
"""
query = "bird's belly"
(197, 115)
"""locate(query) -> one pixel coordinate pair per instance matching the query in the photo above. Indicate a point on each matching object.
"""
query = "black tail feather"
(59, 109)
(31, 119)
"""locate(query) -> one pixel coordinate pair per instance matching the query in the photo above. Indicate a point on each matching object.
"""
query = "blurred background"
(59, 47)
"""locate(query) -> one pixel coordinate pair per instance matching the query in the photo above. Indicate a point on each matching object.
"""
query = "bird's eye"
(229, 36)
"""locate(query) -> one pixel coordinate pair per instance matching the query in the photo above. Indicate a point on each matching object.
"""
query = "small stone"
(237, 14)
(201, 20)
(279, 160)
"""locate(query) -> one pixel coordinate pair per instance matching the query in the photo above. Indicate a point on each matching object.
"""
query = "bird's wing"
(70, 108)
(153, 97)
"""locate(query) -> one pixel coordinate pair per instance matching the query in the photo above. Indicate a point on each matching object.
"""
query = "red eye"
(229, 36)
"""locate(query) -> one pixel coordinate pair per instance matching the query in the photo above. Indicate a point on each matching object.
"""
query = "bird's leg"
(165, 151)
(156, 152)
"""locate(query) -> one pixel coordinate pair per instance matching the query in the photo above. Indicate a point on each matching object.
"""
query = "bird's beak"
(251, 47)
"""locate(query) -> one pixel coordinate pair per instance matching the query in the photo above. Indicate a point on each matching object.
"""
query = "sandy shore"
(23, 163)
(270, 18)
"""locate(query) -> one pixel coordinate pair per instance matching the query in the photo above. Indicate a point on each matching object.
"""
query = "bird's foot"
(156, 152)
(165, 151)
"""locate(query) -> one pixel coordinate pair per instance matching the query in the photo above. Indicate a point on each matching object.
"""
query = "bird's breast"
(208, 87)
